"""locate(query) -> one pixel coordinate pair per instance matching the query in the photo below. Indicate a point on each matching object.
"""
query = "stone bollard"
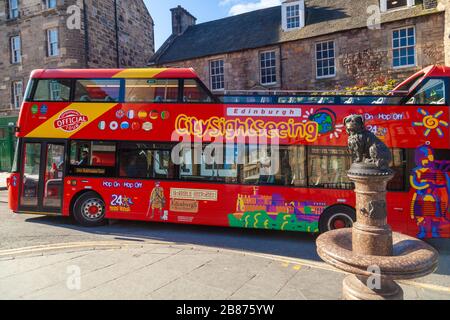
(370, 250)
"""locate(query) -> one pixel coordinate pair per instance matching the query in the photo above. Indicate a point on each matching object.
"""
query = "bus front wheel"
(89, 210)
(337, 217)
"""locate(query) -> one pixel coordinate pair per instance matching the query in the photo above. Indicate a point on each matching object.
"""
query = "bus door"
(42, 180)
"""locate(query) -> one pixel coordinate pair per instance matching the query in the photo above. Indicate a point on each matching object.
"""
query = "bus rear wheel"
(337, 217)
(89, 210)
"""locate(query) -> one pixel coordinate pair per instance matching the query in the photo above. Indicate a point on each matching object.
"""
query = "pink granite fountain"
(373, 255)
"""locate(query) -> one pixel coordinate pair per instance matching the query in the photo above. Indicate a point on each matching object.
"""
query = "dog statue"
(364, 145)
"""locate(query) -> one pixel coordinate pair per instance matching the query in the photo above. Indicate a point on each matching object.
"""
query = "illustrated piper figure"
(432, 184)
(157, 201)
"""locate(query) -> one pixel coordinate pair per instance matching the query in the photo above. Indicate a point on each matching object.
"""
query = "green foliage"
(379, 87)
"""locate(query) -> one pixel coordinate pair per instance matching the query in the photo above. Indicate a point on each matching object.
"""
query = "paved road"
(42, 257)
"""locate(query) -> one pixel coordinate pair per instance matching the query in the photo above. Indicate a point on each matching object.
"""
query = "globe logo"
(325, 121)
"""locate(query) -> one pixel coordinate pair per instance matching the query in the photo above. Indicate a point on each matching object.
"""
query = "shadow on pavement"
(284, 244)
(288, 244)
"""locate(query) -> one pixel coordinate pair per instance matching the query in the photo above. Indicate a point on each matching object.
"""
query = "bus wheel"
(337, 217)
(89, 210)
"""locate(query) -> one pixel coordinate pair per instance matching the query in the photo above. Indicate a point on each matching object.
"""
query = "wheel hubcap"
(93, 209)
(340, 221)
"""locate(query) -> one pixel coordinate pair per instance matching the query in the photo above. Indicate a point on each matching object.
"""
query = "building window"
(293, 16)
(17, 94)
(51, 4)
(217, 75)
(396, 4)
(52, 42)
(16, 52)
(325, 59)
(13, 6)
(268, 64)
(404, 47)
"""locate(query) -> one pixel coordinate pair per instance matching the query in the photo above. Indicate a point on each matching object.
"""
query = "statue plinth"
(371, 233)
(370, 251)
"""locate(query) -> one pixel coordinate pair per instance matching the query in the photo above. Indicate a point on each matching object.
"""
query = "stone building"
(39, 34)
(311, 44)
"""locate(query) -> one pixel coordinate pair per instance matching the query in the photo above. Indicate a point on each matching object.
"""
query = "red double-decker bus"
(105, 144)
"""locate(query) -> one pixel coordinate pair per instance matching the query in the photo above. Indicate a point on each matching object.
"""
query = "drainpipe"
(86, 35)
(281, 67)
(117, 34)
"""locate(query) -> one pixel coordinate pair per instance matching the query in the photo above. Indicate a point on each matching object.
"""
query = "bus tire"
(337, 217)
(89, 210)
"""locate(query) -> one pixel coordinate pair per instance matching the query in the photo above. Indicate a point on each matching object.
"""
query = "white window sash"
(325, 59)
(16, 50)
(53, 42)
(13, 9)
(267, 56)
(17, 94)
(404, 47)
(301, 14)
(216, 75)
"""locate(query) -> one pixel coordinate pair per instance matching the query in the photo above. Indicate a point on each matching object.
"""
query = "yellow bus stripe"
(92, 111)
(139, 73)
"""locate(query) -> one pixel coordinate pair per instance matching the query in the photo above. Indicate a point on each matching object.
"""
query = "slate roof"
(263, 28)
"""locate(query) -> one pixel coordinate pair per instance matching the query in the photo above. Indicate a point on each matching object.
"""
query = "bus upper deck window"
(151, 90)
(52, 90)
(193, 92)
(97, 90)
(432, 93)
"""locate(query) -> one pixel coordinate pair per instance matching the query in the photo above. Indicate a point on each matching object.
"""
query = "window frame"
(16, 100)
(13, 11)
(48, 2)
(301, 15)
(316, 59)
(200, 85)
(13, 50)
(212, 75)
(159, 102)
(113, 170)
(423, 84)
(274, 67)
(407, 28)
(120, 99)
(384, 7)
(50, 53)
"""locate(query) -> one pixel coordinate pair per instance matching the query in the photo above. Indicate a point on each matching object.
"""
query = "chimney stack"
(181, 20)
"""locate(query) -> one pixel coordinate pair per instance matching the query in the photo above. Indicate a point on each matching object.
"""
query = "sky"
(203, 10)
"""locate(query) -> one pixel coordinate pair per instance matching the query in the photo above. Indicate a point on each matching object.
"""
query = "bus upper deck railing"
(314, 97)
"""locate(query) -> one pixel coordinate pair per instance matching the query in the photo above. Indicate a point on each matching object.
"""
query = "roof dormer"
(293, 14)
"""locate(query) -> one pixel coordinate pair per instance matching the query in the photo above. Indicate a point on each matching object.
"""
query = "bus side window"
(193, 92)
(151, 90)
(52, 90)
(92, 158)
(432, 93)
(97, 90)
